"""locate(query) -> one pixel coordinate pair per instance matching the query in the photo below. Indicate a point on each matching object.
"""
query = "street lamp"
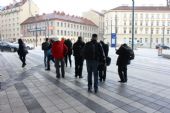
(133, 4)
(163, 38)
(151, 35)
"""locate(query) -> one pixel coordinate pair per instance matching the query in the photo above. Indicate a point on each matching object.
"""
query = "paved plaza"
(33, 90)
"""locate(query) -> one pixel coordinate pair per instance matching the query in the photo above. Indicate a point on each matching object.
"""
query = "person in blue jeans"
(93, 53)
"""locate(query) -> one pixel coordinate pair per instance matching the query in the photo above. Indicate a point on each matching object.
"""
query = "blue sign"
(113, 39)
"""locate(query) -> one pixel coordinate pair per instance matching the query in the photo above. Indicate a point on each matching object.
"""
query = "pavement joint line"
(68, 78)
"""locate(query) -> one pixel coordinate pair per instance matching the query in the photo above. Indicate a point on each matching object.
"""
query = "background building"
(152, 25)
(13, 15)
(98, 19)
(57, 24)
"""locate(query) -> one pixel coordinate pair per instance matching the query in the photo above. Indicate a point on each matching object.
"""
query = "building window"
(58, 24)
(146, 40)
(61, 32)
(65, 33)
(61, 24)
(58, 32)
(52, 32)
(156, 40)
(168, 40)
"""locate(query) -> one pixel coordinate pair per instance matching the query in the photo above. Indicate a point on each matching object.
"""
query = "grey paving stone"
(164, 110)
(129, 108)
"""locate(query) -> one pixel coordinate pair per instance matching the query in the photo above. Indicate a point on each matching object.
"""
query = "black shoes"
(24, 64)
(47, 69)
(122, 81)
(89, 90)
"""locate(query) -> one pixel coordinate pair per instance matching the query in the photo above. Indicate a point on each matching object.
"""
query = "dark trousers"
(45, 58)
(59, 62)
(22, 58)
(92, 69)
(102, 72)
(78, 66)
(122, 70)
(49, 58)
(68, 56)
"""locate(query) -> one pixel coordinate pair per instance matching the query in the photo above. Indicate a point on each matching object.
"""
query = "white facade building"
(152, 25)
(57, 24)
(12, 16)
(98, 19)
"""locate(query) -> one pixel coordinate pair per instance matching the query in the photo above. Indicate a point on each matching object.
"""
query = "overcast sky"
(76, 7)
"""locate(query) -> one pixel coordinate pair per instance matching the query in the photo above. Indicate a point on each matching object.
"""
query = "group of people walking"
(95, 53)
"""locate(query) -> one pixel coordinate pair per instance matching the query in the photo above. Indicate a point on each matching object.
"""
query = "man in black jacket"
(93, 54)
(45, 48)
(123, 60)
(77, 49)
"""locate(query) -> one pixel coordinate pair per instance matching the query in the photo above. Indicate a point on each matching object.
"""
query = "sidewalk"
(33, 90)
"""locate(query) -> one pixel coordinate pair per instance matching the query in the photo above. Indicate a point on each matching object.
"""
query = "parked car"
(162, 46)
(30, 46)
(7, 46)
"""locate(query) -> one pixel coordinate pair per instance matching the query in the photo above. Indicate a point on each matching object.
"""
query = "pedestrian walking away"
(22, 52)
(125, 55)
(49, 55)
(68, 43)
(93, 54)
(45, 47)
(77, 49)
(59, 50)
(102, 67)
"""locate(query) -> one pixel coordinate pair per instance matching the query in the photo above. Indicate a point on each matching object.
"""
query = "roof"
(58, 16)
(17, 4)
(143, 8)
(97, 12)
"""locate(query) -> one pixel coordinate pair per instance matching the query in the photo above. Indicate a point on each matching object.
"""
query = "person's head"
(101, 42)
(79, 38)
(20, 41)
(46, 39)
(94, 37)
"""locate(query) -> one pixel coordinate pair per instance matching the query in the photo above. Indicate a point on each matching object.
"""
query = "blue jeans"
(45, 58)
(92, 68)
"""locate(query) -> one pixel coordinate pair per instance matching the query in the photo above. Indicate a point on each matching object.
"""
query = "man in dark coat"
(122, 61)
(102, 65)
(68, 43)
(77, 49)
(93, 54)
(22, 52)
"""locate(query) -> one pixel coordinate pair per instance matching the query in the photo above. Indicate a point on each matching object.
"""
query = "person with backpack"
(102, 67)
(69, 44)
(49, 55)
(125, 55)
(93, 54)
(45, 47)
(59, 50)
(77, 48)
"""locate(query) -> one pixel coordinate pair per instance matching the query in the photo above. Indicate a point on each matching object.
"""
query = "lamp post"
(116, 29)
(133, 4)
(163, 38)
(151, 35)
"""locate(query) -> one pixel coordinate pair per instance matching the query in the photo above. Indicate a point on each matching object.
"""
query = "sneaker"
(89, 90)
(95, 90)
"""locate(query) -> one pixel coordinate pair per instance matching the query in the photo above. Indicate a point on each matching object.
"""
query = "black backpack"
(45, 46)
(130, 53)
